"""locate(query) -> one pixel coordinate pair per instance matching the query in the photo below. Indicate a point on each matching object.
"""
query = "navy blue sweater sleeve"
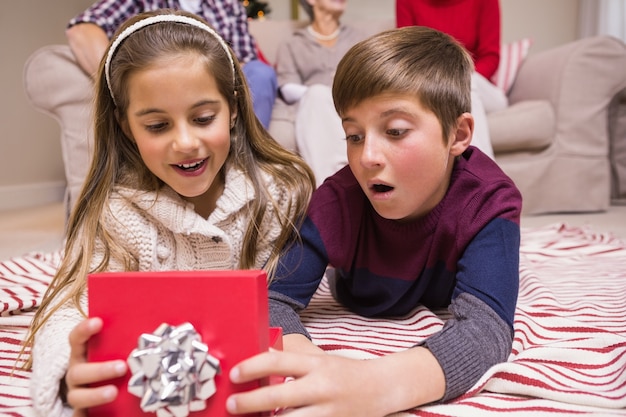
(489, 268)
(298, 275)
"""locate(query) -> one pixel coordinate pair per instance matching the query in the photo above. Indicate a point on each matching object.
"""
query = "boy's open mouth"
(381, 188)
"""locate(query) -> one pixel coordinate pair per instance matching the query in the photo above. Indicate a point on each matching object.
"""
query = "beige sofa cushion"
(524, 126)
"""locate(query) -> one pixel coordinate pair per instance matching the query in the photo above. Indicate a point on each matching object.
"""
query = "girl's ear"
(233, 117)
(233, 114)
(462, 136)
(123, 122)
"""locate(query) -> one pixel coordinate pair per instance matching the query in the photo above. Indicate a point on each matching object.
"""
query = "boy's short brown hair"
(414, 60)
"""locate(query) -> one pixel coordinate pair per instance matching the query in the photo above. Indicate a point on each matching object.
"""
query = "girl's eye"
(156, 127)
(204, 120)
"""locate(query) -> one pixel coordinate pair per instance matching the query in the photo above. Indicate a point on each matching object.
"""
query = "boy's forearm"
(299, 343)
(284, 313)
(408, 379)
(474, 340)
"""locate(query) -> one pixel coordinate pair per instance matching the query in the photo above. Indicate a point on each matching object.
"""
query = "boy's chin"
(392, 213)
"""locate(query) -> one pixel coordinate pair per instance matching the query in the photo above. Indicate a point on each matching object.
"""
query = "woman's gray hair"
(307, 8)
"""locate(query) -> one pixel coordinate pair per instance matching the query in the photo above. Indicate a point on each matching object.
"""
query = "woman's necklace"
(321, 37)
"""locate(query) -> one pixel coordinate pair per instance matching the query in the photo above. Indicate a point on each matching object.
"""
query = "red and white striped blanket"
(569, 349)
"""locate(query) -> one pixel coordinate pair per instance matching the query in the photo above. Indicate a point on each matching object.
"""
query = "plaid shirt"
(228, 17)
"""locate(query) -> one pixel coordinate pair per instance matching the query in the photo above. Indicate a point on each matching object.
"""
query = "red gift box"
(228, 309)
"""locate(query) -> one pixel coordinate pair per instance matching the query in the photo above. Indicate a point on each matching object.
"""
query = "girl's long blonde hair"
(252, 150)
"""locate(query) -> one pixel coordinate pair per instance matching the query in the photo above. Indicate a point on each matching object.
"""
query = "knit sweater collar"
(238, 192)
(178, 215)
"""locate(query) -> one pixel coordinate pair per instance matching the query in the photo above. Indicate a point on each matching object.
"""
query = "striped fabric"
(22, 284)
(569, 349)
(511, 57)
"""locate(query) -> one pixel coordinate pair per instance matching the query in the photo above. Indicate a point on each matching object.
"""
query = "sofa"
(562, 139)
(559, 137)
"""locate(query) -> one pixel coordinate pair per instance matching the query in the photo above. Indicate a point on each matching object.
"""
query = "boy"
(418, 217)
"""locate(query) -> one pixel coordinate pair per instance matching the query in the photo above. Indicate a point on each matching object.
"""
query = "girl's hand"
(80, 374)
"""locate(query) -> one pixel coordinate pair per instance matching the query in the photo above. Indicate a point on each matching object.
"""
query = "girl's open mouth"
(192, 166)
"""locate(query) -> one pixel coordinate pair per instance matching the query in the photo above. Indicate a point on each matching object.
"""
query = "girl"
(184, 177)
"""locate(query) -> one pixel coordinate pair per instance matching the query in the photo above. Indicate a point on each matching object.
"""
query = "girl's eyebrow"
(150, 110)
(143, 112)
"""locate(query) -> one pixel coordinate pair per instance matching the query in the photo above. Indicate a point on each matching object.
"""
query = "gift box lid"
(227, 309)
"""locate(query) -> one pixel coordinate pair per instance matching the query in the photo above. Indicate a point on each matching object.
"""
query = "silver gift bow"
(172, 371)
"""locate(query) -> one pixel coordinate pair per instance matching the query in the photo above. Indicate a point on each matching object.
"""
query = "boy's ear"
(463, 134)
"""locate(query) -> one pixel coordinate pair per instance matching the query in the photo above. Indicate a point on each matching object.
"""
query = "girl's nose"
(184, 140)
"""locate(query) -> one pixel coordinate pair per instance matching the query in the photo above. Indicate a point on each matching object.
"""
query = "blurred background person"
(476, 25)
(305, 67)
(88, 35)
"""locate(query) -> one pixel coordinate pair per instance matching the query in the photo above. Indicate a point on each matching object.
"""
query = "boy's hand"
(80, 374)
(323, 385)
(329, 385)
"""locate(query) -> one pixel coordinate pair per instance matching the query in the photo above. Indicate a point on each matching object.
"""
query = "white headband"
(158, 19)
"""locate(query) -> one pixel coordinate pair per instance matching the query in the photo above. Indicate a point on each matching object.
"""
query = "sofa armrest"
(57, 86)
(526, 126)
(53, 79)
(579, 79)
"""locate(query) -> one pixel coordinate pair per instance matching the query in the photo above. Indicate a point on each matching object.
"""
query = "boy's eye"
(396, 132)
(354, 138)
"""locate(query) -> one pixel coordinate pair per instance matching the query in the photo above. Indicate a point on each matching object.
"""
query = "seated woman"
(305, 67)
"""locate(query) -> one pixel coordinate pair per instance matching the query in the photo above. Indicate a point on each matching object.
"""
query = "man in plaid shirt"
(89, 33)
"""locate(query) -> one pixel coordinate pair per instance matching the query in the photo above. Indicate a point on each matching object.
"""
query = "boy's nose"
(371, 154)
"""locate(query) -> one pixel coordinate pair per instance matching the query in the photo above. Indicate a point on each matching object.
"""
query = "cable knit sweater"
(161, 234)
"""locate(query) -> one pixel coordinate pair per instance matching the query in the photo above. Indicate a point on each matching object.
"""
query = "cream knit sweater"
(163, 234)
